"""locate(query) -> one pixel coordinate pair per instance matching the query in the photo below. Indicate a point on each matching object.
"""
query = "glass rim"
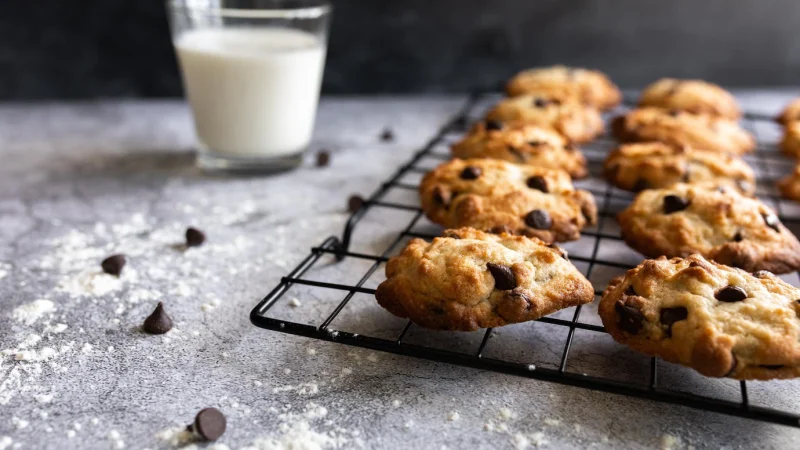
(304, 12)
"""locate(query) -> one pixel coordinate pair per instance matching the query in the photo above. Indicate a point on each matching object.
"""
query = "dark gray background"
(121, 48)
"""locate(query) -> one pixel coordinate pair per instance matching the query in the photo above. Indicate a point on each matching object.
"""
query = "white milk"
(253, 91)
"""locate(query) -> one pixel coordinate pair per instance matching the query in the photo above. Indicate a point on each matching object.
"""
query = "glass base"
(216, 162)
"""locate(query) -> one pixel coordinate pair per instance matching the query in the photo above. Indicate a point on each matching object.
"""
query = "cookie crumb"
(294, 302)
(396, 403)
(453, 416)
(552, 422)
(311, 351)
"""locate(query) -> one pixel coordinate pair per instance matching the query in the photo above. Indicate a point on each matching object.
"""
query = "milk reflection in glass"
(253, 91)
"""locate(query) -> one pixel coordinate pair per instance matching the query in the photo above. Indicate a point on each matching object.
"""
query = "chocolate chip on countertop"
(630, 318)
(673, 203)
(323, 158)
(387, 135)
(113, 264)
(537, 182)
(354, 203)
(669, 316)
(493, 125)
(730, 294)
(539, 219)
(772, 221)
(504, 278)
(471, 173)
(194, 237)
(158, 322)
(209, 424)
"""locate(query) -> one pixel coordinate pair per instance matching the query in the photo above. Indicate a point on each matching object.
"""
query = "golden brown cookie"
(589, 87)
(693, 96)
(521, 143)
(469, 279)
(789, 186)
(577, 123)
(790, 143)
(719, 224)
(649, 165)
(720, 321)
(494, 195)
(791, 113)
(679, 128)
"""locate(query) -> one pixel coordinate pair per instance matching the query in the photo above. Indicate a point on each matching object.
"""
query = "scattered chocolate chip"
(539, 219)
(538, 182)
(762, 274)
(738, 237)
(772, 221)
(113, 264)
(493, 125)
(730, 294)
(540, 102)
(158, 322)
(471, 173)
(669, 316)
(387, 135)
(209, 424)
(640, 185)
(500, 229)
(504, 278)
(354, 203)
(673, 203)
(194, 237)
(630, 291)
(630, 318)
(772, 366)
(323, 158)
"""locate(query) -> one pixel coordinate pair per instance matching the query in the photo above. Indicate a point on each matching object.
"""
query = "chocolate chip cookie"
(790, 143)
(789, 186)
(694, 96)
(719, 224)
(576, 122)
(469, 279)
(590, 87)
(791, 113)
(495, 195)
(718, 320)
(650, 165)
(680, 128)
(521, 143)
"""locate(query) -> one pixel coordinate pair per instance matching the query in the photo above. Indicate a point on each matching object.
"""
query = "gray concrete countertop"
(79, 182)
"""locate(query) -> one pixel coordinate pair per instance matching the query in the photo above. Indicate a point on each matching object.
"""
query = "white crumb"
(87, 348)
(94, 421)
(257, 383)
(396, 403)
(372, 357)
(19, 423)
(55, 329)
(506, 413)
(33, 311)
(294, 303)
(408, 424)
(453, 416)
(552, 422)
(43, 398)
(346, 371)
(287, 371)
(311, 351)
(70, 434)
(5, 442)
(488, 426)
(669, 442)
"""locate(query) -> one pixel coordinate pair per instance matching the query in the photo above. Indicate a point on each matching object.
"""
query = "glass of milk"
(252, 71)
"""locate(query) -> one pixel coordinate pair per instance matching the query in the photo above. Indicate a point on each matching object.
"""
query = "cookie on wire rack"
(790, 113)
(718, 223)
(495, 195)
(521, 143)
(789, 186)
(653, 165)
(678, 128)
(468, 279)
(790, 142)
(693, 96)
(718, 320)
(589, 87)
(576, 122)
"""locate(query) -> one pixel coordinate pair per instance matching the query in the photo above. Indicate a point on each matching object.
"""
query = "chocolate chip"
(441, 196)
(762, 274)
(500, 229)
(194, 237)
(630, 318)
(730, 294)
(539, 219)
(493, 125)
(640, 185)
(323, 158)
(538, 182)
(772, 366)
(540, 102)
(668, 316)
(630, 291)
(354, 203)
(158, 322)
(113, 264)
(387, 135)
(772, 221)
(738, 237)
(471, 173)
(504, 278)
(673, 203)
(209, 424)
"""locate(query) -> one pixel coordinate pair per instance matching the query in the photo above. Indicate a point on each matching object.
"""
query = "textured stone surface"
(78, 182)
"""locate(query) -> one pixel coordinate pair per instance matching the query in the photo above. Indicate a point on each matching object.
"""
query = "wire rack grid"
(549, 354)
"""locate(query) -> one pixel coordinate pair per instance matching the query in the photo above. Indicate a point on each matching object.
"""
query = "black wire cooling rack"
(655, 383)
